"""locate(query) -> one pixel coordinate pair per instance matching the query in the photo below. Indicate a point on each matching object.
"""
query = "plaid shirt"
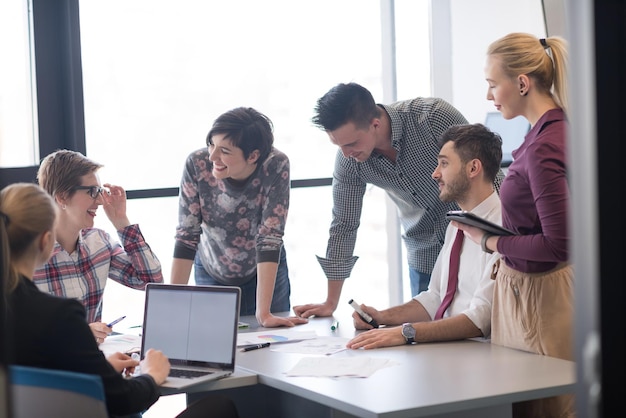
(416, 126)
(83, 274)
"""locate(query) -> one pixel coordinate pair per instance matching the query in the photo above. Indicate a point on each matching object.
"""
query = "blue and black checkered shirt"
(416, 126)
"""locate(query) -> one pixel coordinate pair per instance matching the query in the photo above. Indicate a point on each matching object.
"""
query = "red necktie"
(453, 276)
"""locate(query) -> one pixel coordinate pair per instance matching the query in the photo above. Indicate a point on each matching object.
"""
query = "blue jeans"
(419, 281)
(282, 287)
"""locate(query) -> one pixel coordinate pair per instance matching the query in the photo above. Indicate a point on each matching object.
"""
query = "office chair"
(37, 392)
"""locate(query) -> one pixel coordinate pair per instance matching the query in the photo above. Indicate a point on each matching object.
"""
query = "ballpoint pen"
(110, 324)
(255, 347)
(334, 325)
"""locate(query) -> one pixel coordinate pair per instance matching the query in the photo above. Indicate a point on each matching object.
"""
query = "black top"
(51, 332)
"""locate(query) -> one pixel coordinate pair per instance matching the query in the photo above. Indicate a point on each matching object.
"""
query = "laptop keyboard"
(187, 374)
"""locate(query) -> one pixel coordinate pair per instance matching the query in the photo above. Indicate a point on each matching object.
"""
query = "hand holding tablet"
(469, 218)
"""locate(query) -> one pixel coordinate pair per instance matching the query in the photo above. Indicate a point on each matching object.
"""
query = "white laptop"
(195, 327)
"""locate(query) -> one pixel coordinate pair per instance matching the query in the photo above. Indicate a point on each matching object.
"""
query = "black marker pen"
(255, 347)
(362, 313)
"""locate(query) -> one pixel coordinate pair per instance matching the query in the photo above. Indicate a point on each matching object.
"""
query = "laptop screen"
(192, 325)
(512, 132)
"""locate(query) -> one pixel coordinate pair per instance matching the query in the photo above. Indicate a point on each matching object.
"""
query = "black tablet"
(469, 218)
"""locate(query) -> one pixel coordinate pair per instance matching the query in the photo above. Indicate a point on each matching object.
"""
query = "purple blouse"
(535, 199)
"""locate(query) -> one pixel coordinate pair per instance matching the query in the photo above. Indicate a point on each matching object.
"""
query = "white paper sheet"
(338, 366)
(320, 345)
(122, 343)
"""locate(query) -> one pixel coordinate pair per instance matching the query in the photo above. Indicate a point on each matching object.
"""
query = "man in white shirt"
(467, 164)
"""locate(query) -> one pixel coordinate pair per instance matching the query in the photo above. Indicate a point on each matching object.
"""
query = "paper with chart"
(273, 336)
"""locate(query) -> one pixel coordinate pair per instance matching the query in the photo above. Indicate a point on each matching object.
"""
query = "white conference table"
(454, 379)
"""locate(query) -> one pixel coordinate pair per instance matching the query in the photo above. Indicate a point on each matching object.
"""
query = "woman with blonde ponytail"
(27, 217)
(533, 303)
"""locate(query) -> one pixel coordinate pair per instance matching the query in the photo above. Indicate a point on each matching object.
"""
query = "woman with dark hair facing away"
(84, 257)
(50, 332)
(233, 203)
(533, 303)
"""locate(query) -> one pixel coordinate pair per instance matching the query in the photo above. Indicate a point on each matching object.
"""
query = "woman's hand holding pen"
(100, 331)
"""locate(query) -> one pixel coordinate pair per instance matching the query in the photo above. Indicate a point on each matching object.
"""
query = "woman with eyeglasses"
(49, 332)
(83, 256)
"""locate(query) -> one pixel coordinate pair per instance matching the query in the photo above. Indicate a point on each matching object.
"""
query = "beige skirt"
(535, 312)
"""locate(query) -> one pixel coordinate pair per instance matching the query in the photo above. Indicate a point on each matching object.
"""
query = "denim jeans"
(419, 281)
(282, 287)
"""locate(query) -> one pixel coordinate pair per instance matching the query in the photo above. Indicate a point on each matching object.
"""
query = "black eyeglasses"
(94, 191)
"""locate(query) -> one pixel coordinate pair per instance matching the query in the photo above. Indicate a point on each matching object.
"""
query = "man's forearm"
(334, 292)
(458, 327)
(412, 311)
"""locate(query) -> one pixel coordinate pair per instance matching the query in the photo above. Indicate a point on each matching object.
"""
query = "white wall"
(474, 24)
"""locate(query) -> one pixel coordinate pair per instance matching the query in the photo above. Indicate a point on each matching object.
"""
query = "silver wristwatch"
(408, 332)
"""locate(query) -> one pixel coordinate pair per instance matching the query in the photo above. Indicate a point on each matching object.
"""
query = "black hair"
(345, 103)
(245, 128)
(476, 141)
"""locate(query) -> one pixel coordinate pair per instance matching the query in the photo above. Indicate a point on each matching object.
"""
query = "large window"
(18, 139)
(157, 73)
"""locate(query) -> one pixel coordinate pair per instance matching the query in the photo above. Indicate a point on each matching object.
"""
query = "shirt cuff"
(184, 252)
(337, 269)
